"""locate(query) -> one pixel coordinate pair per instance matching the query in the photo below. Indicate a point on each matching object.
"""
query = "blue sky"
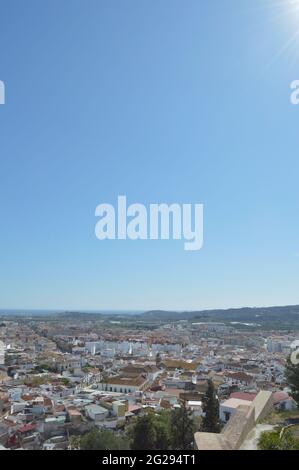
(170, 101)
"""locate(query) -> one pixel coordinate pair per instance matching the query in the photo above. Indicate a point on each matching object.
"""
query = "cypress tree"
(292, 377)
(211, 409)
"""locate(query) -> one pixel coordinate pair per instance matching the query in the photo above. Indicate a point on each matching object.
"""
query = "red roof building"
(243, 396)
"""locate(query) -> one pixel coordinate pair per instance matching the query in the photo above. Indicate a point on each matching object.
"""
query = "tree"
(42, 367)
(65, 381)
(210, 408)
(144, 433)
(167, 430)
(182, 428)
(292, 377)
(279, 439)
(151, 431)
(75, 442)
(102, 439)
(105, 379)
(158, 360)
(163, 430)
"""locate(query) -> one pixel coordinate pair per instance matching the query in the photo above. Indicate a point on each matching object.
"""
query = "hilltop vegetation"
(286, 317)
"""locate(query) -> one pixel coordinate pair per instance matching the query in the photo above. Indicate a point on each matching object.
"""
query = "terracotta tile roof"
(239, 376)
(280, 396)
(126, 381)
(28, 397)
(243, 396)
(26, 428)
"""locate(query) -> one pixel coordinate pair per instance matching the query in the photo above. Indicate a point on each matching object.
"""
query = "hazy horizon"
(132, 312)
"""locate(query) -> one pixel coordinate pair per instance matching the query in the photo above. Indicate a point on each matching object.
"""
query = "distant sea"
(28, 312)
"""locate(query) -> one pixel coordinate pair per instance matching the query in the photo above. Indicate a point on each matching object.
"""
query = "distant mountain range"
(286, 316)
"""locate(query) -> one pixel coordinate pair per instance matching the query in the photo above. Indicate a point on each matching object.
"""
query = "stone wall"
(263, 404)
(238, 427)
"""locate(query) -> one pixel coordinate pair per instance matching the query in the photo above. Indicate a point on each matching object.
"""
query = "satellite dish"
(295, 357)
